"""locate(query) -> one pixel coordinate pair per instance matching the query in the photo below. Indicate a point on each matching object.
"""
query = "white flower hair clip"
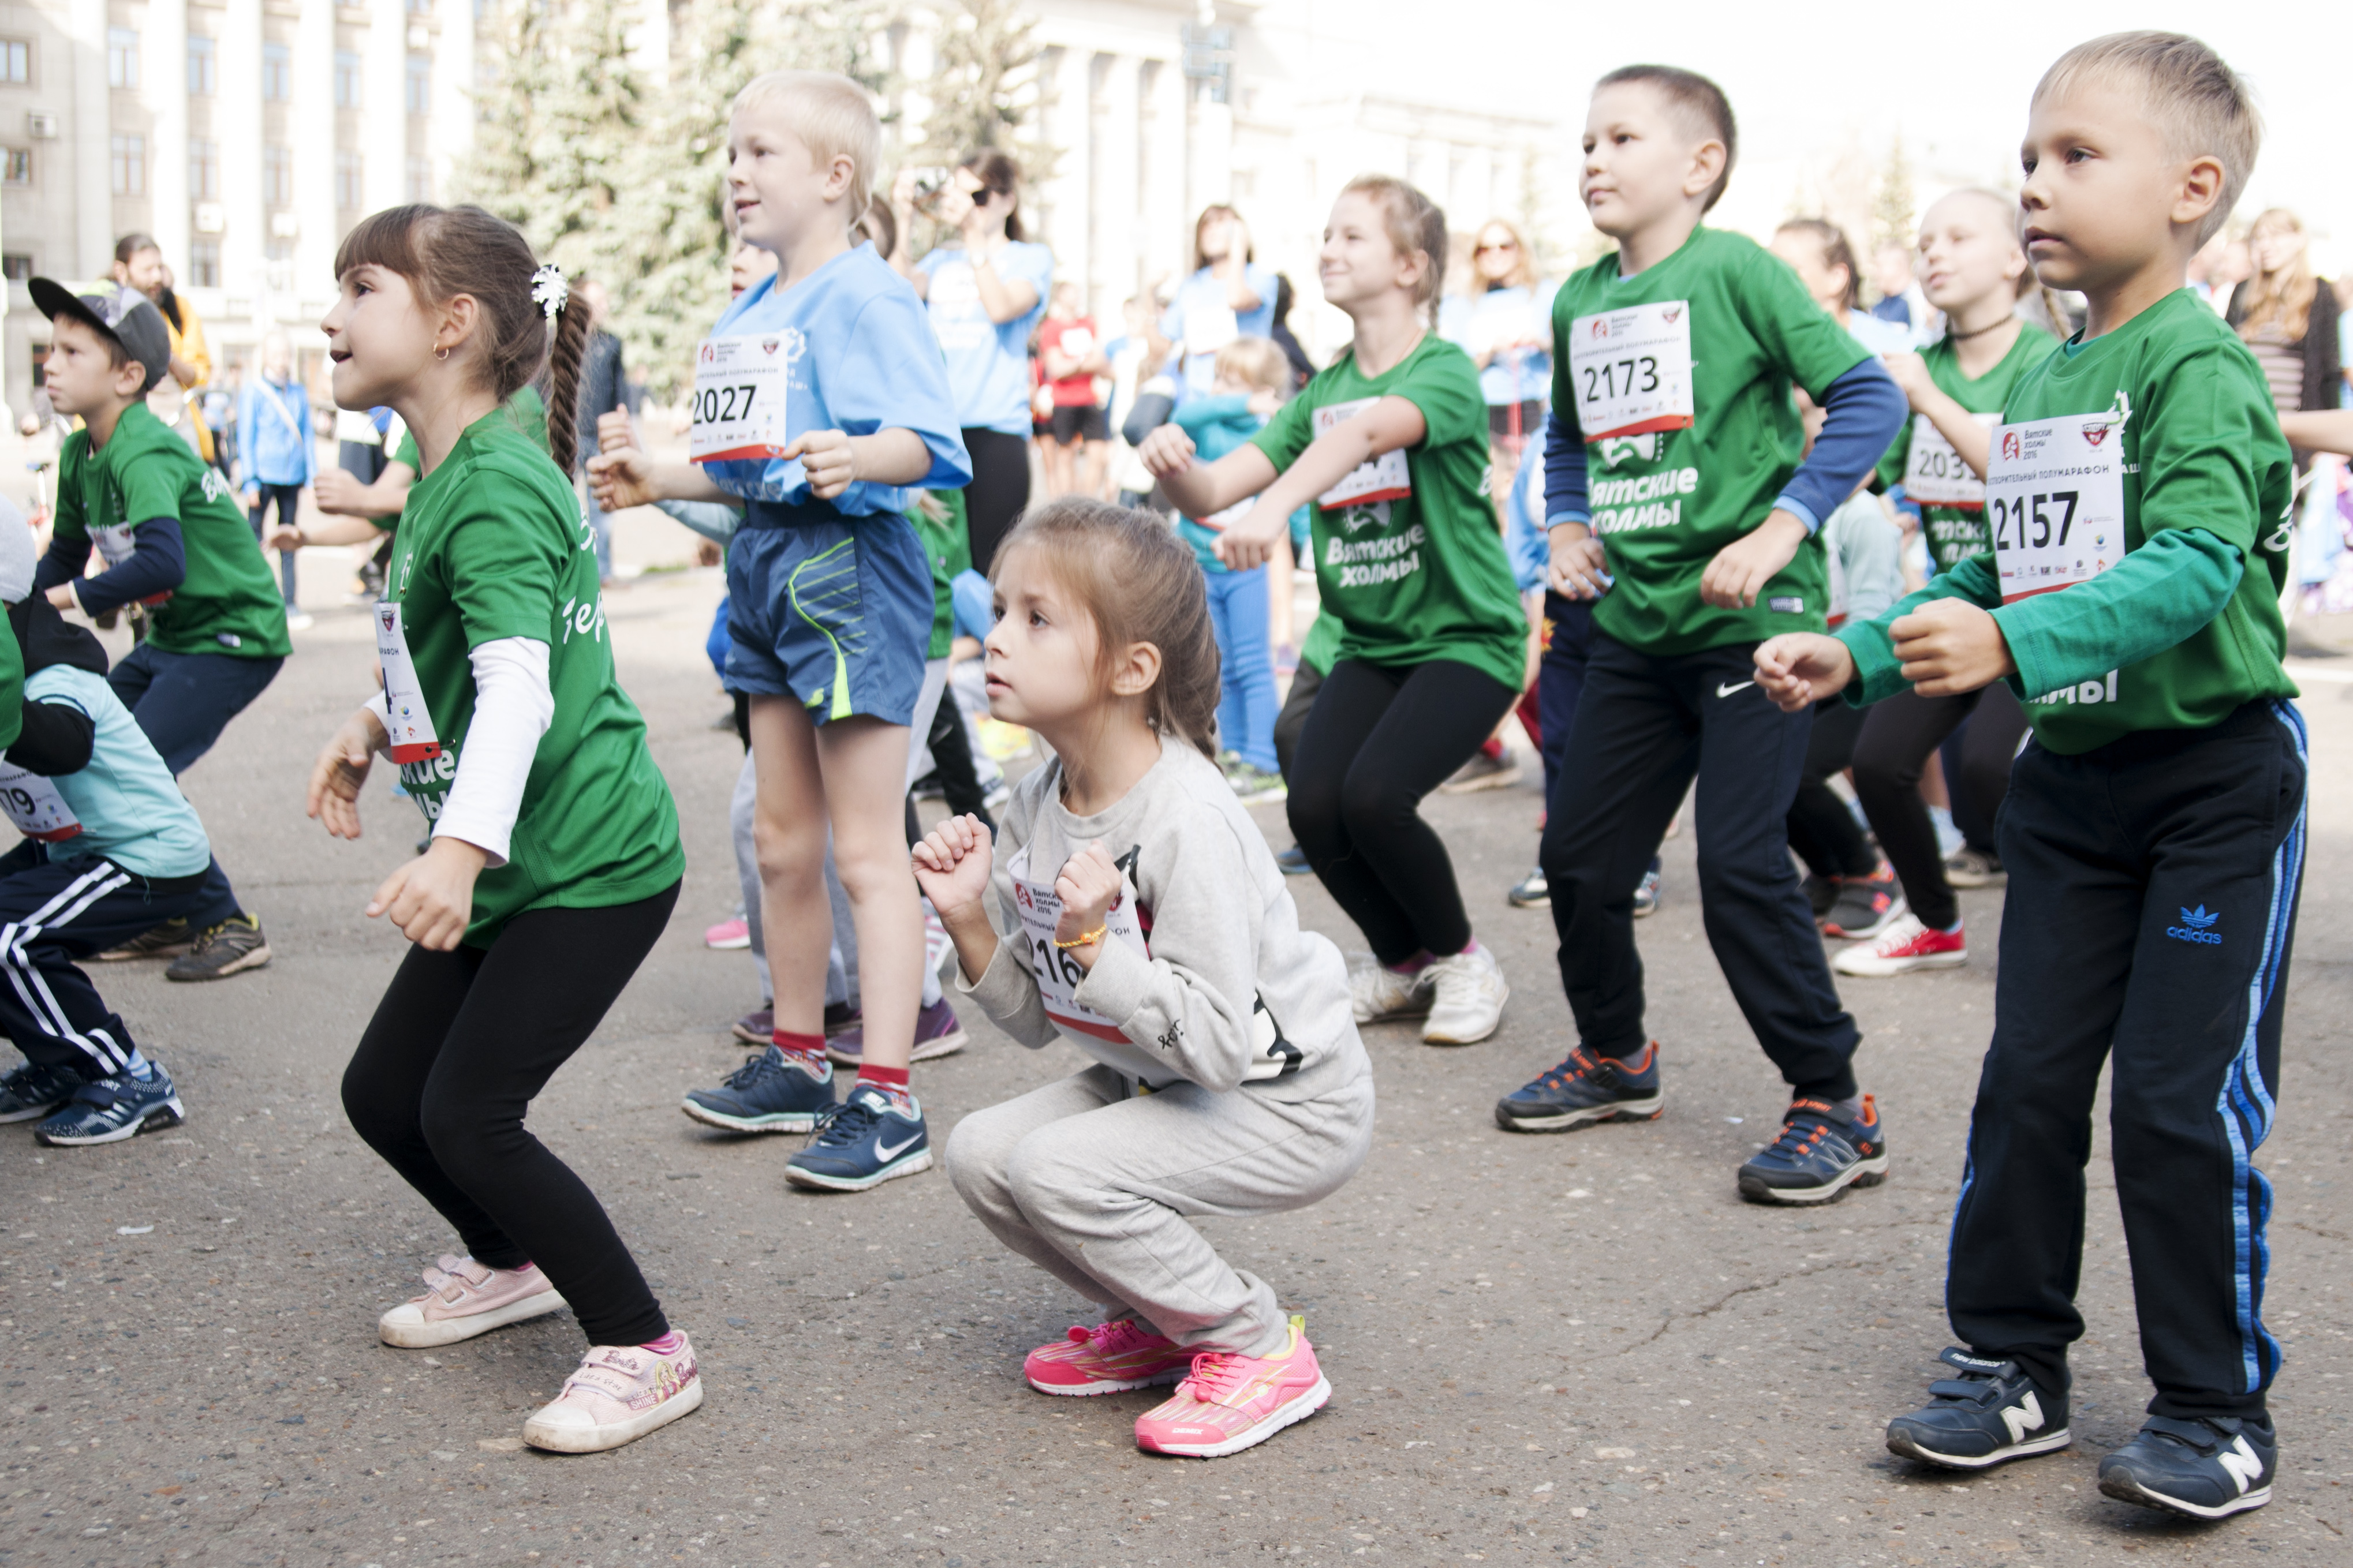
(549, 291)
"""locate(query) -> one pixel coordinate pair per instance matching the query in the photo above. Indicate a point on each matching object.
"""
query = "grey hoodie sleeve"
(1007, 992)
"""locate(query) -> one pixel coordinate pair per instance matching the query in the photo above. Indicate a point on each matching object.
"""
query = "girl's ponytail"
(572, 320)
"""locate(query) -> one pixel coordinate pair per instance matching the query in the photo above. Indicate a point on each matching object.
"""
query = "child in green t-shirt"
(2137, 493)
(554, 859)
(1677, 500)
(1390, 442)
(174, 540)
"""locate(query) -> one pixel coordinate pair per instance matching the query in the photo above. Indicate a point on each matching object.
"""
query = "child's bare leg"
(1278, 595)
(864, 761)
(788, 836)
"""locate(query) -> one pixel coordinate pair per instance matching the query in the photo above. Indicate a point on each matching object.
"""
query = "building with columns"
(247, 135)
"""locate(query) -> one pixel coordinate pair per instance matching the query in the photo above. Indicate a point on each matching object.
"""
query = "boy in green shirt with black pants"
(2138, 498)
(174, 539)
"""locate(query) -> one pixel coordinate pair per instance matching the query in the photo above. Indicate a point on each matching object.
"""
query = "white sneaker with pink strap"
(620, 1394)
(462, 1299)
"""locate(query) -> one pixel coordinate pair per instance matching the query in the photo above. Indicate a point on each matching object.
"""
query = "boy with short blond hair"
(2138, 499)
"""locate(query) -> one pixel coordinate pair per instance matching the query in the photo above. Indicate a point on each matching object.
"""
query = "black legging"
(998, 493)
(459, 1047)
(1898, 737)
(1378, 739)
(288, 499)
(1822, 831)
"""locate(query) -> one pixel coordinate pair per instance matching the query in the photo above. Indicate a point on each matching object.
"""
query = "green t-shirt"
(1421, 576)
(228, 602)
(948, 548)
(1956, 532)
(1665, 501)
(492, 544)
(524, 408)
(12, 691)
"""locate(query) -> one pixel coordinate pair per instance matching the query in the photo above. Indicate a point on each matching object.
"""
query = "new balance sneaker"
(620, 1394)
(1110, 1358)
(2208, 1468)
(756, 1028)
(1467, 996)
(1967, 867)
(1818, 1155)
(862, 1145)
(1902, 947)
(1380, 993)
(32, 1091)
(169, 939)
(1228, 1403)
(1646, 893)
(938, 1034)
(729, 934)
(1865, 906)
(1531, 891)
(232, 947)
(1293, 862)
(1484, 771)
(109, 1109)
(1989, 1413)
(767, 1094)
(1584, 1088)
(463, 1297)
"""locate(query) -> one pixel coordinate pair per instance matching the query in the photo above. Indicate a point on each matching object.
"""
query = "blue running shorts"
(835, 612)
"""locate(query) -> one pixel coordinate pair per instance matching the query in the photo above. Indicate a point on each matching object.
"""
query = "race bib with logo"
(739, 396)
(1631, 370)
(1933, 474)
(34, 805)
(2055, 501)
(1059, 974)
(1384, 478)
(408, 721)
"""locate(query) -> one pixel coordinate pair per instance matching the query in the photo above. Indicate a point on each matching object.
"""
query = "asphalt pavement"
(1543, 1349)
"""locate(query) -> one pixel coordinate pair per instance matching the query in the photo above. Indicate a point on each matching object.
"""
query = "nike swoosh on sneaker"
(885, 1151)
(1723, 690)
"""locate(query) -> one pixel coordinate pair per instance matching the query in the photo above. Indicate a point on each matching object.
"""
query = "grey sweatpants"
(1094, 1188)
(841, 962)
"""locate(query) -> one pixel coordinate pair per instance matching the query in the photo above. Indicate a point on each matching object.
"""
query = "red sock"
(1493, 747)
(892, 1081)
(805, 1052)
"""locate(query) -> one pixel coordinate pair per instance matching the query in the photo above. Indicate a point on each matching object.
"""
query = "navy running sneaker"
(862, 1145)
(2210, 1468)
(1989, 1415)
(1586, 1089)
(767, 1094)
(1293, 862)
(1818, 1155)
(109, 1109)
(32, 1091)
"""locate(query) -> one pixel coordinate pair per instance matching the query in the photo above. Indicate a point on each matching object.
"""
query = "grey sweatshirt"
(1230, 989)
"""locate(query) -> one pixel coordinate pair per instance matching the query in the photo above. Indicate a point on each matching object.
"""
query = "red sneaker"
(1228, 1403)
(1110, 1358)
(1905, 946)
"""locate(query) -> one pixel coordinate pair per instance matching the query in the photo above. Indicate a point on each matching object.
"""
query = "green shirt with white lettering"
(2186, 628)
(1664, 502)
(492, 544)
(1956, 532)
(228, 602)
(1421, 576)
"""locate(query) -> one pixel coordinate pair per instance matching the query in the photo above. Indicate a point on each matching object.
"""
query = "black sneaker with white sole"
(2210, 1468)
(32, 1091)
(1989, 1415)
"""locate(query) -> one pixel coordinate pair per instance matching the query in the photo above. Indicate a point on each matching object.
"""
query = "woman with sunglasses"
(1507, 332)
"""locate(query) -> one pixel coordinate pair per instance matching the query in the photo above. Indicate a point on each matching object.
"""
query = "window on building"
(277, 72)
(16, 60)
(420, 7)
(278, 248)
(203, 66)
(204, 171)
(420, 85)
(348, 182)
(128, 161)
(19, 161)
(277, 176)
(347, 79)
(420, 180)
(122, 57)
(17, 266)
(204, 264)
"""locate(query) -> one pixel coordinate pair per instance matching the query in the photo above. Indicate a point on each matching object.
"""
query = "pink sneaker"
(620, 1394)
(728, 935)
(1228, 1403)
(1110, 1358)
(462, 1299)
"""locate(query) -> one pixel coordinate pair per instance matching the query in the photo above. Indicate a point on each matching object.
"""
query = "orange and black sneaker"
(1586, 1088)
(1820, 1154)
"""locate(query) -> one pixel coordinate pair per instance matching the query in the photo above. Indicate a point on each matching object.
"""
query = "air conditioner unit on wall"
(41, 123)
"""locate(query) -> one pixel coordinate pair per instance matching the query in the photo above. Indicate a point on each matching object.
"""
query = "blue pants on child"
(54, 912)
(1247, 706)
